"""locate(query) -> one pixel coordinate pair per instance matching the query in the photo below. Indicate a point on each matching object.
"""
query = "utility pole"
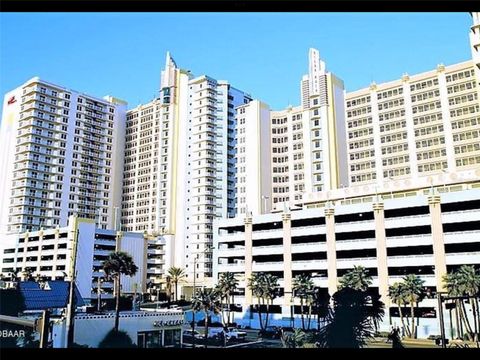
(71, 305)
(44, 329)
(440, 316)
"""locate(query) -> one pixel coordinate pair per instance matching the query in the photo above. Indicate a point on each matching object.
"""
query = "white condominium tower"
(307, 151)
(418, 125)
(180, 165)
(62, 153)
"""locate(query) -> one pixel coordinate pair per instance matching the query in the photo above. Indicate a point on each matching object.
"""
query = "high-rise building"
(180, 166)
(62, 154)
(416, 126)
(254, 156)
(308, 148)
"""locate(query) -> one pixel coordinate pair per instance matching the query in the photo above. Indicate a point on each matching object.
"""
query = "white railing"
(408, 236)
(461, 211)
(357, 259)
(355, 240)
(410, 256)
(408, 217)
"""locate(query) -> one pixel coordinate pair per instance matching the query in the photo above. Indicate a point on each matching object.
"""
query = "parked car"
(189, 334)
(270, 332)
(233, 333)
(229, 333)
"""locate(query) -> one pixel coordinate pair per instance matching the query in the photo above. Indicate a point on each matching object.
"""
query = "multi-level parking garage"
(427, 227)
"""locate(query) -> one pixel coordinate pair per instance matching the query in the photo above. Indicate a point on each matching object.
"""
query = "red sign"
(12, 100)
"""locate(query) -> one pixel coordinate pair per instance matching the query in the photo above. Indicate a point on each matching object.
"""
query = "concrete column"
(287, 257)
(248, 259)
(438, 241)
(331, 250)
(382, 266)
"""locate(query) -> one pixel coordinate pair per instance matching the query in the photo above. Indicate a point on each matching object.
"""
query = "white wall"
(135, 245)
(8, 136)
(91, 329)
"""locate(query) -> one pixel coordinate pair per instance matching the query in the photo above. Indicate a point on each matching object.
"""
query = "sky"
(264, 54)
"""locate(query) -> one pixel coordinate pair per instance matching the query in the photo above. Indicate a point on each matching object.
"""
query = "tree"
(464, 282)
(303, 288)
(118, 263)
(27, 274)
(265, 288)
(321, 301)
(176, 274)
(208, 301)
(414, 292)
(255, 284)
(116, 339)
(227, 284)
(293, 340)
(350, 322)
(271, 291)
(470, 286)
(397, 295)
(357, 279)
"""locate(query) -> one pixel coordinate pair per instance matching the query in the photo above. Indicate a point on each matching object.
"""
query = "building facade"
(180, 167)
(62, 155)
(426, 227)
(254, 158)
(308, 147)
(418, 125)
(50, 253)
(162, 328)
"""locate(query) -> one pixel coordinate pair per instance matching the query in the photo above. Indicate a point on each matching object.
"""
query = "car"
(270, 332)
(233, 333)
(228, 332)
(189, 334)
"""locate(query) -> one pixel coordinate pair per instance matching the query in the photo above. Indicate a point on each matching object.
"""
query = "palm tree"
(357, 278)
(177, 275)
(118, 263)
(464, 282)
(302, 288)
(451, 282)
(27, 274)
(351, 321)
(208, 301)
(271, 290)
(414, 293)
(227, 284)
(470, 285)
(255, 284)
(397, 295)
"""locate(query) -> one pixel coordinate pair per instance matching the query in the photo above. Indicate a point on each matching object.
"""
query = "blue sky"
(265, 54)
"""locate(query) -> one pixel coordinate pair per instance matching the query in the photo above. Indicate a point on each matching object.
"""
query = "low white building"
(162, 328)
